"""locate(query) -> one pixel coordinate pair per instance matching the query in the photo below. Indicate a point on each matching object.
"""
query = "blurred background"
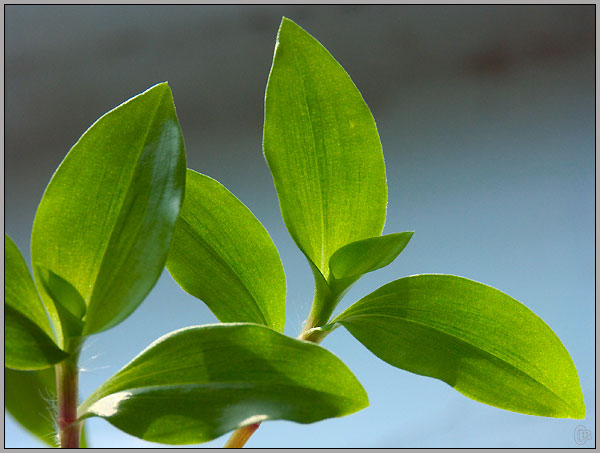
(486, 115)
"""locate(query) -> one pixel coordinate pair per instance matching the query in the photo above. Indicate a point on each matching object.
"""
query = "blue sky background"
(486, 115)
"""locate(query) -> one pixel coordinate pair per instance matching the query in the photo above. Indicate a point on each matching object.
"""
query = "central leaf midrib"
(130, 178)
(314, 155)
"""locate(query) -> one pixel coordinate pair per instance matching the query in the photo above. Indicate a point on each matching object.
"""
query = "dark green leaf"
(198, 383)
(106, 219)
(26, 346)
(19, 289)
(367, 255)
(223, 255)
(30, 397)
(69, 304)
(323, 149)
(477, 339)
(62, 292)
(28, 337)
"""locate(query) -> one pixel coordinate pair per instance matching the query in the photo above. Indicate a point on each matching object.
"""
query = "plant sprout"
(122, 206)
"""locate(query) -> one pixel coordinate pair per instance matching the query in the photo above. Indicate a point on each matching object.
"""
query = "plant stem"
(316, 335)
(67, 376)
(322, 306)
(240, 436)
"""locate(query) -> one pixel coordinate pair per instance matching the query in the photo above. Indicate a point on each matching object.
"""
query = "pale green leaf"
(222, 255)
(28, 339)
(198, 383)
(477, 339)
(367, 255)
(323, 149)
(106, 219)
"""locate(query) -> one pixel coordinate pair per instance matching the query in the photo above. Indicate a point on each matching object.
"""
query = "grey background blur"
(486, 115)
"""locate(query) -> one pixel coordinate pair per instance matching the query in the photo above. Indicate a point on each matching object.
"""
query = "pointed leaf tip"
(477, 339)
(106, 218)
(322, 147)
(368, 255)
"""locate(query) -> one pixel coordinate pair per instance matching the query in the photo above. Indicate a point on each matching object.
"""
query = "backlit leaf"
(367, 255)
(198, 383)
(106, 219)
(323, 149)
(222, 255)
(477, 339)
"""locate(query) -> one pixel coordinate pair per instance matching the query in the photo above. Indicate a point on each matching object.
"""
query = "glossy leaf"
(198, 383)
(477, 339)
(28, 337)
(30, 397)
(222, 255)
(106, 219)
(323, 149)
(367, 255)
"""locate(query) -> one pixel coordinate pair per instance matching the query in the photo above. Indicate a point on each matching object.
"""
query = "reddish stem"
(67, 377)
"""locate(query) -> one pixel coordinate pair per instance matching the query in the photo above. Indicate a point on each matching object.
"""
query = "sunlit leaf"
(477, 339)
(106, 219)
(367, 255)
(323, 149)
(198, 383)
(222, 255)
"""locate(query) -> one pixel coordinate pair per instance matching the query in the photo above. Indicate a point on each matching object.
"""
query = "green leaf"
(69, 304)
(26, 346)
(106, 219)
(367, 255)
(19, 289)
(62, 292)
(323, 149)
(198, 383)
(222, 255)
(30, 397)
(477, 339)
(28, 341)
